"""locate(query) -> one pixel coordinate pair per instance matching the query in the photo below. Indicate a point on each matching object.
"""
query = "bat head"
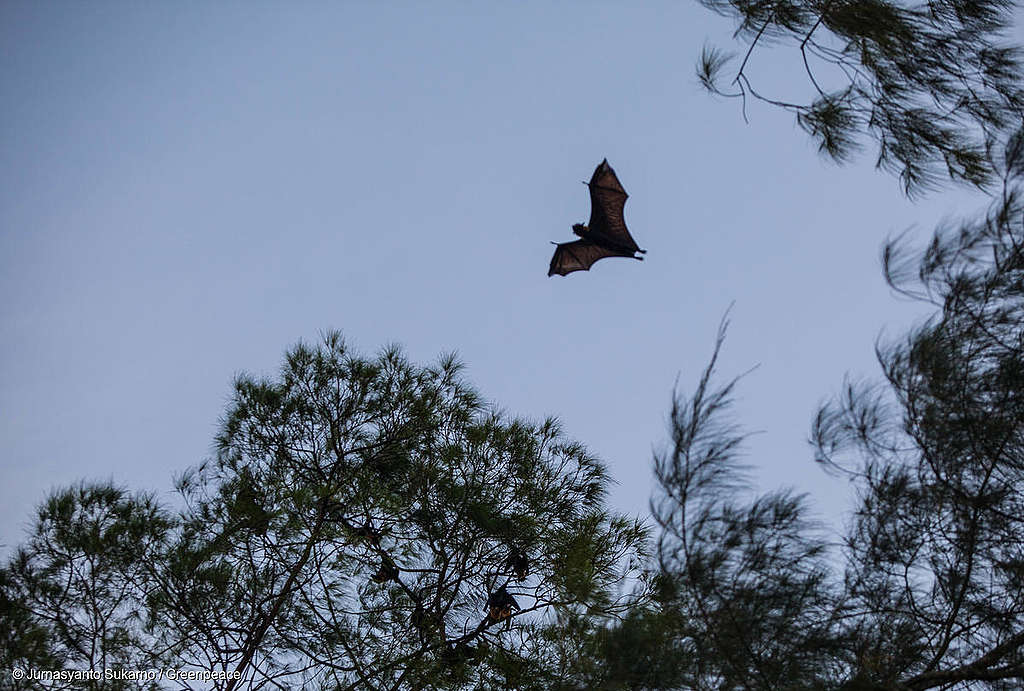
(579, 229)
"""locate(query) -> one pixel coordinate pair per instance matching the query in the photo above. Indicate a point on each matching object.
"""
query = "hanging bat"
(387, 571)
(606, 235)
(518, 563)
(455, 654)
(359, 533)
(419, 617)
(500, 606)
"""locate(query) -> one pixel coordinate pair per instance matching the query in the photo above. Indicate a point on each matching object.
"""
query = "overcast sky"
(188, 189)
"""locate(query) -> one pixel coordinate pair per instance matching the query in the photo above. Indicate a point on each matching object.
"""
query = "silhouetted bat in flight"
(606, 235)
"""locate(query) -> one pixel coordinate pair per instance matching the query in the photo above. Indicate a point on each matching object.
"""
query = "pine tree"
(935, 84)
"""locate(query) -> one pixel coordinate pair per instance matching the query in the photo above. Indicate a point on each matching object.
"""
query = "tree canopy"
(935, 84)
(366, 523)
(936, 549)
(926, 589)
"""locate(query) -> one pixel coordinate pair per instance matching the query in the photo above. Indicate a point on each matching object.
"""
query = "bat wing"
(580, 256)
(607, 204)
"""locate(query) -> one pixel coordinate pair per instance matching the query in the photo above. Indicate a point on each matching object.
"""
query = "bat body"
(387, 571)
(606, 234)
(519, 563)
(500, 605)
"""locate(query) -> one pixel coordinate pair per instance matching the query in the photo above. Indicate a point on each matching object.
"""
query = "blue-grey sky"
(187, 189)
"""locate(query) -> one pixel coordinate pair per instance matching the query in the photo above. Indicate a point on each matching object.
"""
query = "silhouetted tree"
(742, 596)
(365, 524)
(936, 549)
(933, 83)
(73, 597)
(928, 590)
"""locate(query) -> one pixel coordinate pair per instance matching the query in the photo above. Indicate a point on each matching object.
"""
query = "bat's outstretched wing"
(580, 256)
(606, 236)
(607, 202)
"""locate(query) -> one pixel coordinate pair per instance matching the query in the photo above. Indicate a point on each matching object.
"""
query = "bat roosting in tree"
(387, 571)
(518, 563)
(606, 235)
(500, 606)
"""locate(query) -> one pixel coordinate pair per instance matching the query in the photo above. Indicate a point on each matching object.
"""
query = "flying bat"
(606, 234)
